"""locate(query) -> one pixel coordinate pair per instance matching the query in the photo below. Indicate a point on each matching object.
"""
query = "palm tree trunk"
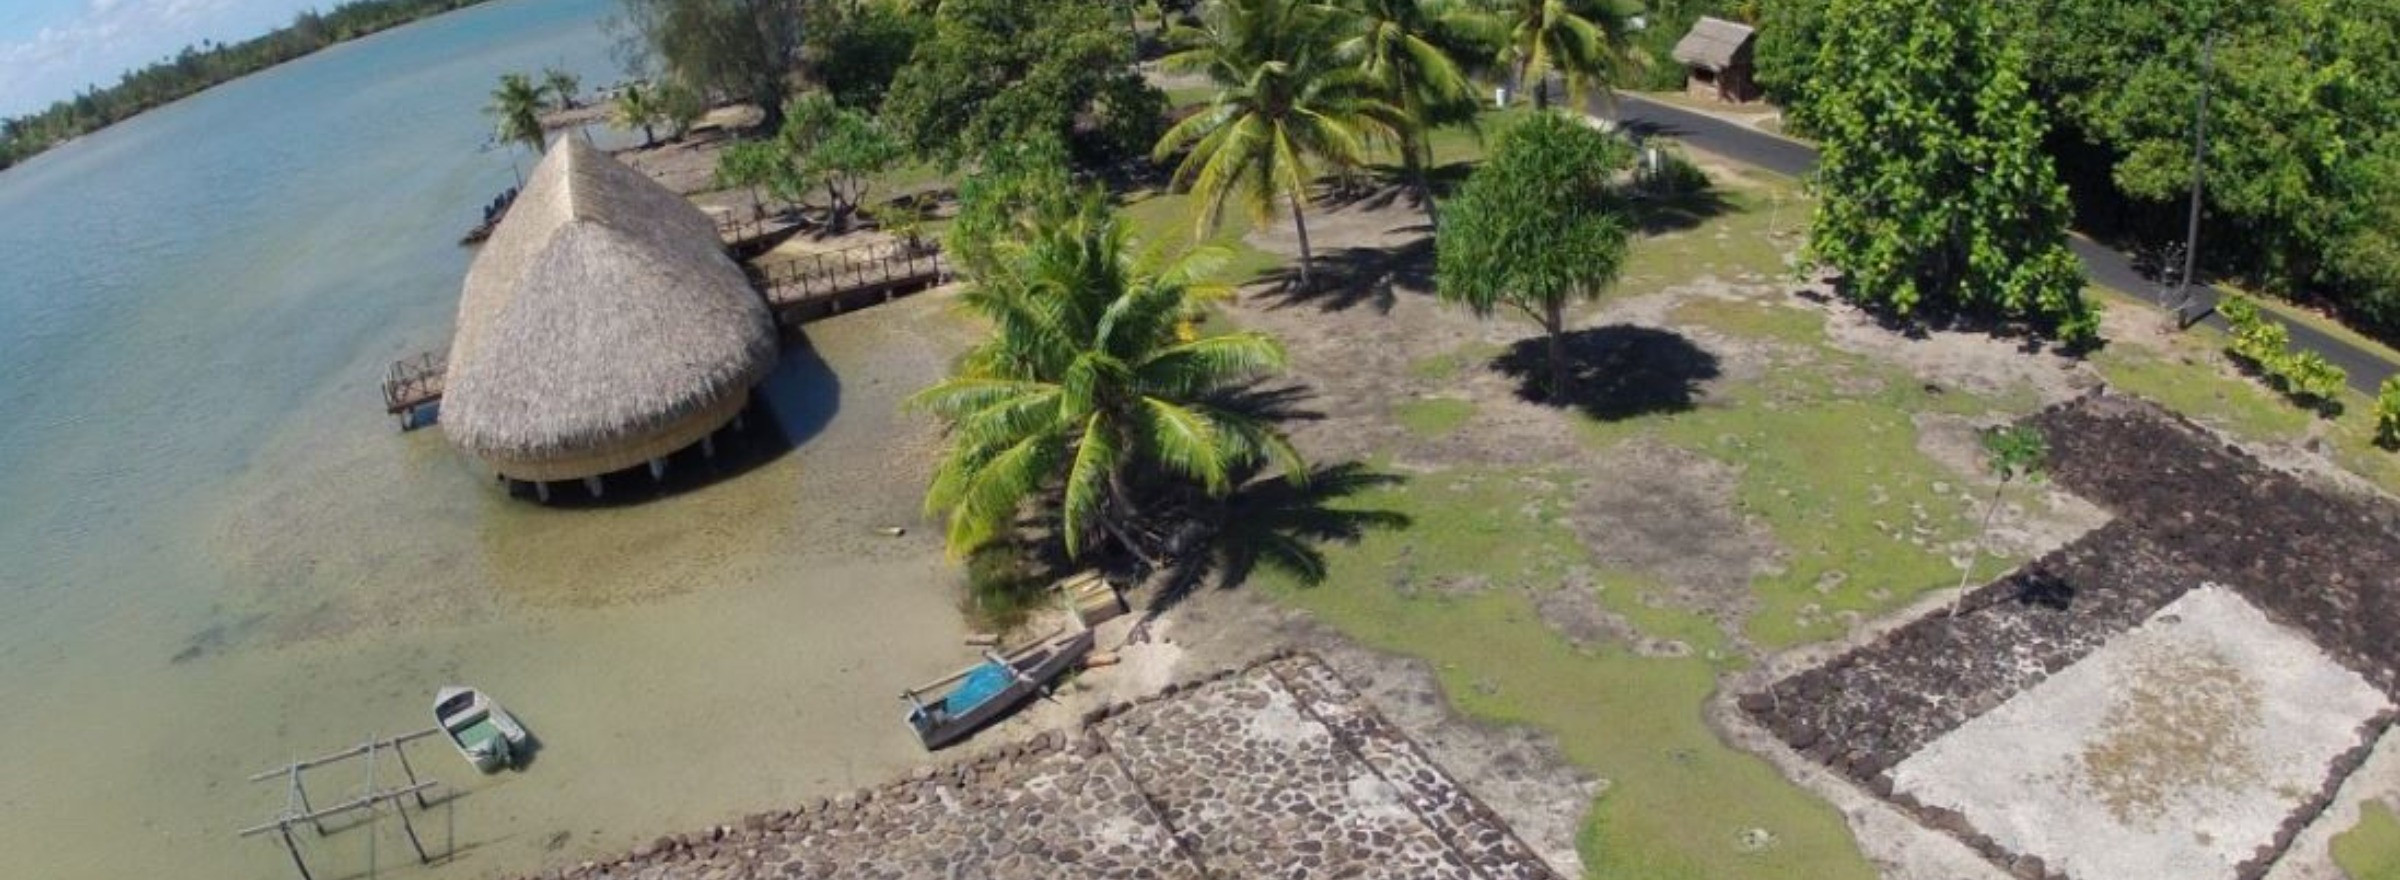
(1417, 152)
(1300, 223)
(1976, 552)
(1120, 509)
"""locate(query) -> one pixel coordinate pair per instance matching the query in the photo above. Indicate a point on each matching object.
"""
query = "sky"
(50, 49)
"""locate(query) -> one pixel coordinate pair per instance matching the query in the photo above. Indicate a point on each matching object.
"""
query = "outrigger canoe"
(981, 694)
(485, 734)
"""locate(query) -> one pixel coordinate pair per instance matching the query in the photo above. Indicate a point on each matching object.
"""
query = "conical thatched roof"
(1715, 44)
(601, 326)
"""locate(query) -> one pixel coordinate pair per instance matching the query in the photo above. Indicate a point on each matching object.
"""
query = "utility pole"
(2191, 245)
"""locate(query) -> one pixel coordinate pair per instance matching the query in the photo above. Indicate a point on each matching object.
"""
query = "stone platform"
(1277, 770)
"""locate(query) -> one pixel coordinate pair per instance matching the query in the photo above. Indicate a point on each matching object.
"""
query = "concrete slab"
(2173, 751)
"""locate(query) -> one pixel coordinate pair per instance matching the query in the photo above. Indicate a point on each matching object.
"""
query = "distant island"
(199, 67)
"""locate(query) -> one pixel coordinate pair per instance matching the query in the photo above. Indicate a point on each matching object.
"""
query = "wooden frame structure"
(413, 384)
(297, 809)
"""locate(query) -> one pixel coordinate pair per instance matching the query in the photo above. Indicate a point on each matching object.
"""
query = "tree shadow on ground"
(1931, 316)
(1275, 524)
(1676, 212)
(1615, 372)
(1346, 278)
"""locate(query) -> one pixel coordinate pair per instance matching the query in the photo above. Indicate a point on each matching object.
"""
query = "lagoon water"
(216, 553)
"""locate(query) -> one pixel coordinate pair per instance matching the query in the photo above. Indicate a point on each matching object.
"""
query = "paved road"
(2106, 266)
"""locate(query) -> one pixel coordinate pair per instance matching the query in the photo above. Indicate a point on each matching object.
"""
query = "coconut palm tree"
(1089, 384)
(517, 104)
(637, 109)
(1585, 41)
(1409, 48)
(1284, 105)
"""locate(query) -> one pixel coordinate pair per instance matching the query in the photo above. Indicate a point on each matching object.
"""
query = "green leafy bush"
(2308, 374)
(1666, 171)
(2387, 414)
(2265, 345)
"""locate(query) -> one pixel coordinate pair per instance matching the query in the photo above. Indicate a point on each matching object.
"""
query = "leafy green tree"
(995, 72)
(823, 147)
(1584, 41)
(1409, 49)
(2017, 452)
(1538, 226)
(679, 106)
(855, 50)
(2303, 163)
(1284, 106)
(838, 149)
(517, 107)
(636, 108)
(561, 86)
(747, 49)
(1086, 389)
(1935, 194)
(1789, 34)
(1013, 186)
(757, 165)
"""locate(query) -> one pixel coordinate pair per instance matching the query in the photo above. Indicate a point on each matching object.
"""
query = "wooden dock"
(830, 283)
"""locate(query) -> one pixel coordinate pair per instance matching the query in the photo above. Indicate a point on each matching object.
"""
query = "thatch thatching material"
(1715, 45)
(601, 326)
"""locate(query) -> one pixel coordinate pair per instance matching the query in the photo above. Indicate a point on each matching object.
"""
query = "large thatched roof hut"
(602, 327)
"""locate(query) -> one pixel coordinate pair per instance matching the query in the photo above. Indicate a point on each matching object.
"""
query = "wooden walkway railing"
(829, 283)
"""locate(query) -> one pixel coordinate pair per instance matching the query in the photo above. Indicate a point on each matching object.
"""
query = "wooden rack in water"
(297, 810)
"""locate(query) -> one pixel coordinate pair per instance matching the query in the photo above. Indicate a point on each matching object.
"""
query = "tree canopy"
(1090, 388)
(994, 72)
(1285, 104)
(1538, 226)
(516, 109)
(742, 49)
(1935, 195)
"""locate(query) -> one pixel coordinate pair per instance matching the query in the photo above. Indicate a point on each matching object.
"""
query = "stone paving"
(1279, 770)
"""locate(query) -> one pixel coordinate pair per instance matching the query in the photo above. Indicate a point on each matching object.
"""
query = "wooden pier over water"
(796, 292)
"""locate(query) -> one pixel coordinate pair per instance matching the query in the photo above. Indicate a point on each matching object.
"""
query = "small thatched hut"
(601, 328)
(1716, 57)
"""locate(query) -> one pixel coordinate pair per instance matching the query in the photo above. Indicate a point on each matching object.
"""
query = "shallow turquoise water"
(217, 554)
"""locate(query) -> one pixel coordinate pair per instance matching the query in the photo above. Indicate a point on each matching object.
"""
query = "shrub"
(2265, 345)
(2308, 374)
(1666, 171)
(2387, 414)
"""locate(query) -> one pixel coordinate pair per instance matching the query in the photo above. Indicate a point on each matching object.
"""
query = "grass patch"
(1433, 417)
(1679, 801)
(1825, 444)
(1447, 366)
(1754, 320)
(1862, 514)
(1751, 230)
(2370, 850)
(2193, 376)
(1166, 220)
